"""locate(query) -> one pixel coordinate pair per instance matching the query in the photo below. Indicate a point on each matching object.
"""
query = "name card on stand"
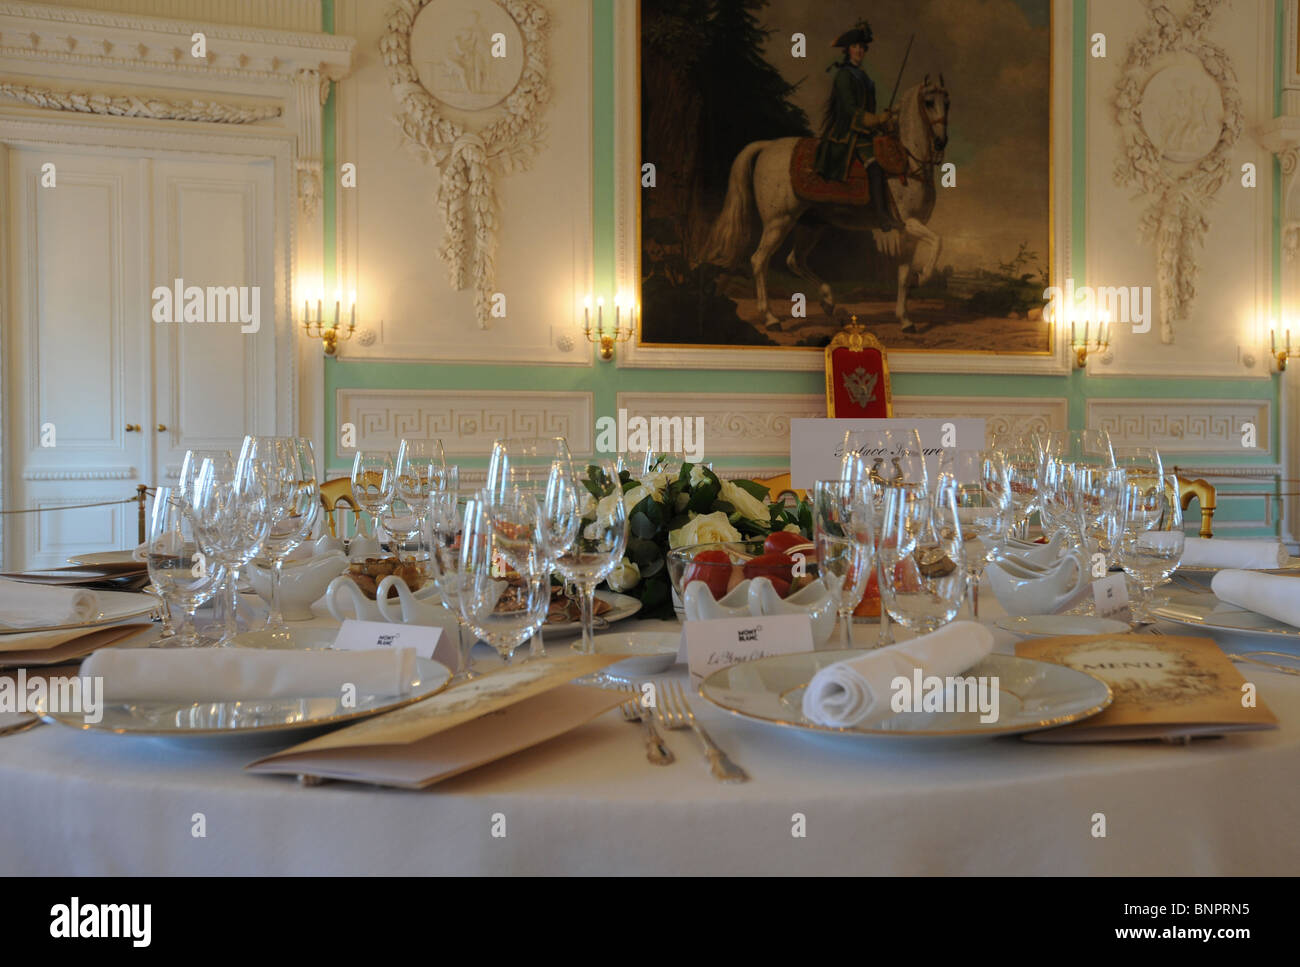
(722, 642)
(817, 445)
(366, 635)
(1110, 596)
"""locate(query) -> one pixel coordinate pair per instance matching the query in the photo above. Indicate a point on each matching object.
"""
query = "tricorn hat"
(860, 34)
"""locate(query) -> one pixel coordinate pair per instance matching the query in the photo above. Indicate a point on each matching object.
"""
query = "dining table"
(588, 802)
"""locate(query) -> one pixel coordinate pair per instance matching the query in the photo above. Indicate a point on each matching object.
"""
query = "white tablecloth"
(589, 803)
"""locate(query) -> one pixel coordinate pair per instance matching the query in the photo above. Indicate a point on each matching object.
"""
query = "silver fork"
(674, 713)
(656, 751)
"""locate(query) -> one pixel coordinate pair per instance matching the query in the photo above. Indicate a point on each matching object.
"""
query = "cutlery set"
(673, 712)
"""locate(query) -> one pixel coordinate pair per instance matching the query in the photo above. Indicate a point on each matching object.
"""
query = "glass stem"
(588, 605)
(536, 647)
(846, 619)
(168, 628)
(974, 578)
(275, 621)
(466, 669)
(232, 591)
(886, 633)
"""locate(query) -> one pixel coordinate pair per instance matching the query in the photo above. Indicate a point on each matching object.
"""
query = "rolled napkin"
(233, 674)
(853, 691)
(1269, 594)
(24, 605)
(1244, 554)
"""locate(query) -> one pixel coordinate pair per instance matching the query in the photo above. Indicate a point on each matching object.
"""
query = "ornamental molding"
(91, 473)
(1180, 115)
(1183, 426)
(139, 105)
(469, 160)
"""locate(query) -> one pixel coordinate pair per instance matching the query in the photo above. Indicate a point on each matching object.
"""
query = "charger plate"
(1032, 695)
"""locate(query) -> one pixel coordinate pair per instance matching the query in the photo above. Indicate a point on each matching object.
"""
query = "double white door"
(101, 396)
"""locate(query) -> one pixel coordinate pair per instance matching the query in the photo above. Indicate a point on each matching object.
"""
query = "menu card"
(1164, 687)
(817, 445)
(458, 729)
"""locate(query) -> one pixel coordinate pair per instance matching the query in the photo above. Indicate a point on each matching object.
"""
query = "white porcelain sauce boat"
(411, 609)
(1045, 593)
(301, 582)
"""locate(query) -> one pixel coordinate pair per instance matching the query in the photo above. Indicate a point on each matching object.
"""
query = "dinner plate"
(1032, 695)
(649, 652)
(621, 606)
(1290, 567)
(1043, 625)
(251, 720)
(105, 558)
(1204, 609)
(114, 606)
(78, 575)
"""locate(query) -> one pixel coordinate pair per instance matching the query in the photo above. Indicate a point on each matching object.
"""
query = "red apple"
(711, 567)
(771, 566)
(786, 541)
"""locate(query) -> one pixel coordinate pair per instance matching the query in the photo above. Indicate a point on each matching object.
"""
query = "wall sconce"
(1089, 345)
(1280, 356)
(330, 336)
(607, 337)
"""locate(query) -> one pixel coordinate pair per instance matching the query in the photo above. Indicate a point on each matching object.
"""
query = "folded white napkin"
(1274, 595)
(25, 605)
(1247, 554)
(231, 674)
(858, 689)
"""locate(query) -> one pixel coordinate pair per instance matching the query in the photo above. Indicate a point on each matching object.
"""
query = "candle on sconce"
(1073, 340)
(318, 312)
(600, 316)
(586, 315)
(1272, 334)
(306, 312)
(352, 324)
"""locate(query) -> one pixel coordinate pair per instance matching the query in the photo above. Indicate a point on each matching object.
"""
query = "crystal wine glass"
(183, 572)
(922, 555)
(599, 547)
(501, 611)
(1151, 541)
(232, 517)
(374, 482)
(446, 521)
(842, 530)
(983, 498)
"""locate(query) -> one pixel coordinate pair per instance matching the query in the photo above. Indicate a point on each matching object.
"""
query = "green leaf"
(753, 489)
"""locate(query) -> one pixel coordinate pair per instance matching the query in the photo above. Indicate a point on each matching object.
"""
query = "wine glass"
(1096, 495)
(1023, 455)
(923, 560)
(1079, 446)
(231, 516)
(1057, 497)
(904, 457)
(1142, 463)
(183, 572)
(192, 464)
(1151, 540)
(599, 547)
(421, 469)
(285, 468)
(446, 521)
(983, 499)
(502, 612)
(374, 483)
(543, 467)
(842, 530)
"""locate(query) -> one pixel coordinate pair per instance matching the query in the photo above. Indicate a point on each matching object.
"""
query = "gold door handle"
(133, 428)
(162, 428)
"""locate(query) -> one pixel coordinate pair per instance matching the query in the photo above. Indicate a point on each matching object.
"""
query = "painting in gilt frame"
(801, 165)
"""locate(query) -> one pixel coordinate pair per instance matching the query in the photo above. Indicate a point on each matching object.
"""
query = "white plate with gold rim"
(1032, 695)
(1205, 610)
(1048, 625)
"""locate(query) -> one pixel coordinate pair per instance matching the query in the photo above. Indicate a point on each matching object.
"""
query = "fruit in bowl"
(724, 565)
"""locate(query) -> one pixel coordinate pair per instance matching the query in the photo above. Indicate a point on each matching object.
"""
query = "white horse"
(760, 180)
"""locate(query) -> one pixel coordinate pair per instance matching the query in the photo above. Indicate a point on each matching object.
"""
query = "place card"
(1110, 595)
(357, 635)
(816, 445)
(721, 642)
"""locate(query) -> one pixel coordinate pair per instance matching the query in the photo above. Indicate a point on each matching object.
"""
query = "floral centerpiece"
(667, 510)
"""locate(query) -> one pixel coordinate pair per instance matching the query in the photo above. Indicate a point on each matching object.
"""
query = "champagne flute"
(446, 521)
(599, 548)
(182, 571)
(231, 516)
(842, 530)
(904, 462)
(541, 466)
(502, 613)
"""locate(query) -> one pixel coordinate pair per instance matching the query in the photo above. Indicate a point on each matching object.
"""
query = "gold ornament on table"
(606, 337)
(330, 336)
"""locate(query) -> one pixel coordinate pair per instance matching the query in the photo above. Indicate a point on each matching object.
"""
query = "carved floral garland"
(139, 106)
(1175, 220)
(466, 158)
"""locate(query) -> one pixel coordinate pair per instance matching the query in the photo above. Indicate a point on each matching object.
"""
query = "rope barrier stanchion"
(141, 491)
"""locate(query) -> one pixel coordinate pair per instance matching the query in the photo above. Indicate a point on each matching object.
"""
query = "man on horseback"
(851, 122)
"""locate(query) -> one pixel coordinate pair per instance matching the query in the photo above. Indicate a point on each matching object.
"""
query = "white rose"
(657, 481)
(588, 504)
(792, 528)
(637, 494)
(750, 507)
(605, 508)
(624, 577)
(704, 529)
(697, 475)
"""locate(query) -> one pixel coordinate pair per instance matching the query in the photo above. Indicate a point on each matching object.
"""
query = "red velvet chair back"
(857, 376)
